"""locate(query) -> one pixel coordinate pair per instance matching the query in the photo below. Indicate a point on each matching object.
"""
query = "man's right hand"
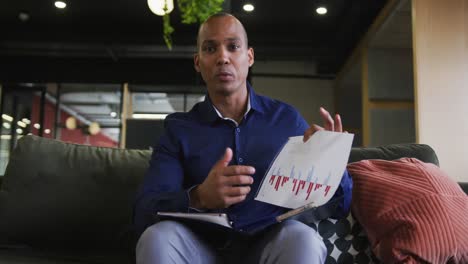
(224, 186)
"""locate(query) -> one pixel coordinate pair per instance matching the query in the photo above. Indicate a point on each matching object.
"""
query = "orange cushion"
(411, 210)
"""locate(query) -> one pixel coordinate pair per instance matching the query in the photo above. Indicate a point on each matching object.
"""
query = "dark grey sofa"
(68, 203)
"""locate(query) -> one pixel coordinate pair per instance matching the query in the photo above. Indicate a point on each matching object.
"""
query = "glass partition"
(89, 114)
(22, 113)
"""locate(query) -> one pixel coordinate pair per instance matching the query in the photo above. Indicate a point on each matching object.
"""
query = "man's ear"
(196, 62)
(250, 53)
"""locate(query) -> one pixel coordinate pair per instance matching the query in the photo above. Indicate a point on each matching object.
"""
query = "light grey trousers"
(287, 242)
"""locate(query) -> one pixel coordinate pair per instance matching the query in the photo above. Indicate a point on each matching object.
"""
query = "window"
(23, 111)
(89, 114)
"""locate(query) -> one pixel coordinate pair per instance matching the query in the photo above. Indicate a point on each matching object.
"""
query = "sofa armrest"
(396, 151)
(464, 186)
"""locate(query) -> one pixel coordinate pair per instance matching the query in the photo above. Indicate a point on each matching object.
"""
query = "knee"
(295, 242)
(160, 235)
(296, 232)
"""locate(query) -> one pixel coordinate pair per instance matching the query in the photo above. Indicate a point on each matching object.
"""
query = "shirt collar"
(255, 100)
(210, 113)
(227, 118)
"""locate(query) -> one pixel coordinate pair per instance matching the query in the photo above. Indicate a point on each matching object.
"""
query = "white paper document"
(305, 173)
(216, 218)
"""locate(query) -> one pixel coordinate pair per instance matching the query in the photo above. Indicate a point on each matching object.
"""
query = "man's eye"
(234, 46)
(209, 49)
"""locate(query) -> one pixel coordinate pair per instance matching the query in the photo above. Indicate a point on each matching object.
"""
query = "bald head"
(212, 19)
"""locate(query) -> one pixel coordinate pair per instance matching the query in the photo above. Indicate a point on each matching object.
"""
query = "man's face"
(223, 58)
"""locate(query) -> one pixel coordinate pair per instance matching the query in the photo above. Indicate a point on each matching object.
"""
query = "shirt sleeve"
(343, 196)
(162, 187)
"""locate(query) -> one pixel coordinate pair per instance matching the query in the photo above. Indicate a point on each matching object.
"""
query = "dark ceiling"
(121, 40)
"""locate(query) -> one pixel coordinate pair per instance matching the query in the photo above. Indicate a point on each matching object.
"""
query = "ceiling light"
(113, 114)
(21, 124)
(149, 116)
(321, 10)
(6, 125)
(70, 123)
(36, 126)
(47, 131)
(161, 7)
(94, 128)
(248, 7)
(19, 131)
(60, 4)
(27, 121)
(7, 117)
(23, 16)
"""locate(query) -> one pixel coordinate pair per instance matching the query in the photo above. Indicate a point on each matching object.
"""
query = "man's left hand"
(329, 124)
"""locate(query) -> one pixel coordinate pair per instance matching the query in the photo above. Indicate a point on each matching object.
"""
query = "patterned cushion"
(346, 241)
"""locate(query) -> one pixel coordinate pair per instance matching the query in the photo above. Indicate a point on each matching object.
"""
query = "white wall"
(306, 94)
(440, 37)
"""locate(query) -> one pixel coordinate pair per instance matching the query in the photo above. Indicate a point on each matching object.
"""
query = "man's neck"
(232, 105)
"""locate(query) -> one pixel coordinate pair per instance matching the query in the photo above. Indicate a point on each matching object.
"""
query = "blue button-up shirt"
(193, 142)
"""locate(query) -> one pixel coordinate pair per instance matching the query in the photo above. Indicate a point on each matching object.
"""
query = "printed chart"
(303, 173)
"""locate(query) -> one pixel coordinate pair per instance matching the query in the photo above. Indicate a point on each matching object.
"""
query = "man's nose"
(223, 56)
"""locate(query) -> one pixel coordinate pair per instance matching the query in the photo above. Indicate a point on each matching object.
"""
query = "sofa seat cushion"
(62, 195)
(30, 256)
(412, 212)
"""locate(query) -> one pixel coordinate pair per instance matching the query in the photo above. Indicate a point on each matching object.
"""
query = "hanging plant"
(167, 31)
(192, 11)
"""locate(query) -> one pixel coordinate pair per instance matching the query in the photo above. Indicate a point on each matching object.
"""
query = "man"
(213, 158)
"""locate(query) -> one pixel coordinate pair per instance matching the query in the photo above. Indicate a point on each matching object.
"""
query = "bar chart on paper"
(299, 185)
(303, 173)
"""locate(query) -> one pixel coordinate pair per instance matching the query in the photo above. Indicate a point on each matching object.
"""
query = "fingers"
(238, 180)
(237, 191)
(238, 170)
(225, 159)
(310, 131)
(328, 122)
(338, 125)
(235, 194)
(233, 200)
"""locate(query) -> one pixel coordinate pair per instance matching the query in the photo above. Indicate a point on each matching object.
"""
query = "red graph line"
(297, 185)
(277, 183)
(309, 190)
(272, 179)
(285, 179)
(301, 183)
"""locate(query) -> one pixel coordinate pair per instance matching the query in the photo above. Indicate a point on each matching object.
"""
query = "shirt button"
(238, 130)
(240, 160)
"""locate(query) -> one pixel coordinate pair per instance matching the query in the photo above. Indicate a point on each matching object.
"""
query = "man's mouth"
(225, 76)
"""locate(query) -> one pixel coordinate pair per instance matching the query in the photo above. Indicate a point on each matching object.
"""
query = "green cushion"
(57, 194)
